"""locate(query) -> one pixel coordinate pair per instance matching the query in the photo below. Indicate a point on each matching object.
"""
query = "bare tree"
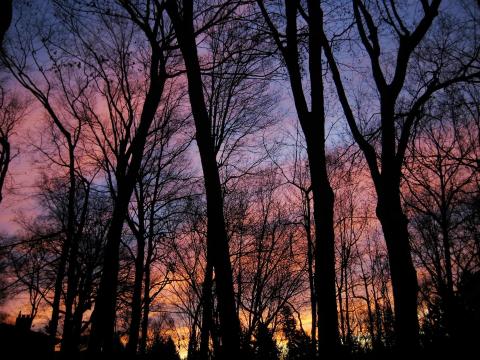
(131, 114)
(32, 61)
(312, 122)
(182, 16)
(438, 188)
(399, 114)
(161, 191)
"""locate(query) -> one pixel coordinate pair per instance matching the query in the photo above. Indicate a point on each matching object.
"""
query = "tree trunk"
(216, 233)
(103, 318)
(403, 274)
(69, 344)
(146, 295)
(57, 292)
(311, 281)
(83, 298)
(323, 197)
(325, 266)
(66, 249)
(313, 126)
(5, 18)
(207, 312)
(137, 289)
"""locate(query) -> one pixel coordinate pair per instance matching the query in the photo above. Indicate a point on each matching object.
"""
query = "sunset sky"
(251, 180)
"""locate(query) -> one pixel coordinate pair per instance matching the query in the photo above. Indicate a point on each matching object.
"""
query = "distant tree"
(164, 348)
(299, 345)
(160, 197)
(265, 346)
(441, 184)
(29, 267)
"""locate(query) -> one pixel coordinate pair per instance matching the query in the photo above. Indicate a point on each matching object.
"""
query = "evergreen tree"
(299, 344)
(265, 345)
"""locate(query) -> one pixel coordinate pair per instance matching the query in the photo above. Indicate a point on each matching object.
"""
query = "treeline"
(245, 179)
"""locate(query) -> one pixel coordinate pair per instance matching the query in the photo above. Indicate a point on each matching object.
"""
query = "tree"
(398, 116)
(265, 347)
(298, 343)
(312, 122)
(438, 188)
(118, 82)
(164, 348)
(217, 242)
(161, 194)
(35, 65)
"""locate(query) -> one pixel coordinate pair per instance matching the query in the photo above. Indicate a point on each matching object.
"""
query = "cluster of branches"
(217, 174)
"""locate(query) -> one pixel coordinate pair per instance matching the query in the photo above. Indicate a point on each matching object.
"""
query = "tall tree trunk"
(216, 233)
(313, 127)
(325, 262)
(403, 275)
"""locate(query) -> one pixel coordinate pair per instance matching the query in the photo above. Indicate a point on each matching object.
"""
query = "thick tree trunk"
(313, 126)
(403, 275)
(323, 199)
(216, 233)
